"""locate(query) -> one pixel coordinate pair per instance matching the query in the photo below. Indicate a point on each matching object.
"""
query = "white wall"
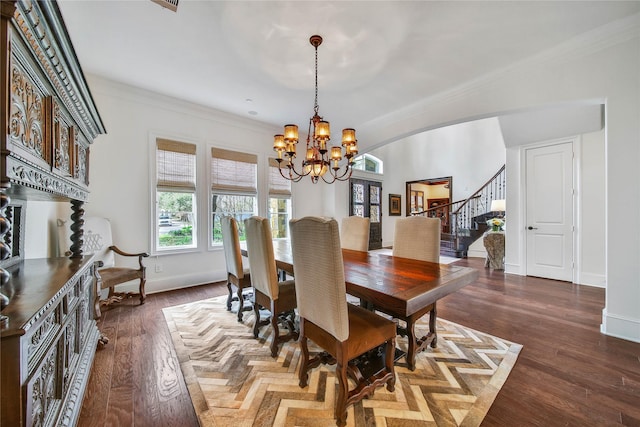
(592, 247)
(40, 242)
(603, 65)
(470, 152)
(120, 181)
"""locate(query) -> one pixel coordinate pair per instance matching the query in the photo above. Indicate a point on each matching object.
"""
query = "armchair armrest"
(121, 252)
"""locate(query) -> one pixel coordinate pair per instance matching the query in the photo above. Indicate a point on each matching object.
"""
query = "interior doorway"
(431, 196)
(549, 213)
(365, 199)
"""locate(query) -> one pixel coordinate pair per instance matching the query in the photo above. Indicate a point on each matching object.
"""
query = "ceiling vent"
(169, 4)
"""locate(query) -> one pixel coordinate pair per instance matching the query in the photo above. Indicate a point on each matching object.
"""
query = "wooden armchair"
(278, 297)
(238, 276)
(98, 241)
(346, 332)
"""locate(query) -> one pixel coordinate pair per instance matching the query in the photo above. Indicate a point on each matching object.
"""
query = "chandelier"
(319, 161)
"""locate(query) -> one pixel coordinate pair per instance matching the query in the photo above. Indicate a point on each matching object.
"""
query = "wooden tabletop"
(402, 286)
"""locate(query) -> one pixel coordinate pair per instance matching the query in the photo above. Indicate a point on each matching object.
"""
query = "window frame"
(156, 187)
(275, 191)
(211, 191)
(379, 164)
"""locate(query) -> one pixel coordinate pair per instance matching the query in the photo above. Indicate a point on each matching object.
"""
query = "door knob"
(532, 228)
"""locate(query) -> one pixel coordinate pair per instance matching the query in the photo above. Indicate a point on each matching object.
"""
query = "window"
(234, 182)
(279, 202)
(175, 213)
(368, 163)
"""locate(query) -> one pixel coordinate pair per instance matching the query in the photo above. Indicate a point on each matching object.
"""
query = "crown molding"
(104, 86)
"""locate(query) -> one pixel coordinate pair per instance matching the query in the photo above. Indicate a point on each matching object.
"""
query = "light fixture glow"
(318, 158)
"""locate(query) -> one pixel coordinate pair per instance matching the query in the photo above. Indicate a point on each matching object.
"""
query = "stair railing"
(462, 218)
(463, 212)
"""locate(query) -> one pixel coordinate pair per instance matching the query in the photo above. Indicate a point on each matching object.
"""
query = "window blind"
(175, 165)
(234, 171)
(278, 185)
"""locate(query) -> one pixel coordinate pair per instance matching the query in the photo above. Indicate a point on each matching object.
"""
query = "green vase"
(495, 228)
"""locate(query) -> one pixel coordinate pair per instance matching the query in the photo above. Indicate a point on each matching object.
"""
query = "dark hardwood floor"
(568, 373)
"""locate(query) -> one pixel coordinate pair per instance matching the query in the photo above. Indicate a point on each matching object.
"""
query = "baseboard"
(476, 254)
(513, 269)
(620, 326)
(174, 282)
(593, 279)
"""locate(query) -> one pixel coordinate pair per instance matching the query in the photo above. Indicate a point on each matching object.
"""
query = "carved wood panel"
(63, 140)
(27, 117)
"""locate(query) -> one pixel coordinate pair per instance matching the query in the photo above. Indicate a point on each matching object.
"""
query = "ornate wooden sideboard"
(49, 119)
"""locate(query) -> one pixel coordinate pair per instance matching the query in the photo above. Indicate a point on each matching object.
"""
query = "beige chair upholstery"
(417, 237)
(277, 297)
(354, 233)
(238, 276)
(344, 331)
(98, 241)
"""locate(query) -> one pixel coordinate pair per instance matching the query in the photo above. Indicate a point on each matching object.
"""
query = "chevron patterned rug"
(234, 381)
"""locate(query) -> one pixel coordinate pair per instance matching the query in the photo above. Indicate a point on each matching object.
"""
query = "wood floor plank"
(568, 373)
(96, 399)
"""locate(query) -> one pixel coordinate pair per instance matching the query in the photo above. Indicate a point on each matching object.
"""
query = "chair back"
(354, 233)
(262, 262)
(96, 239)
(231, 244)
(417, 237)
(319, 273)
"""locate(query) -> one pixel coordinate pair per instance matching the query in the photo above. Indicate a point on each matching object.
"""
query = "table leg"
(416, 345)
(432, 326)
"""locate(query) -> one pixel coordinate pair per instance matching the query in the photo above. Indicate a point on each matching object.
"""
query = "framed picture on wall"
(394, 205)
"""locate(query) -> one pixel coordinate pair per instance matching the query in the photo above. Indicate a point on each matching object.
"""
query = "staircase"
(468, 217)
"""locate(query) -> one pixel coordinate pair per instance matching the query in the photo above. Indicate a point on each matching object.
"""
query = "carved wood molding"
(41, 26)
(21, 172)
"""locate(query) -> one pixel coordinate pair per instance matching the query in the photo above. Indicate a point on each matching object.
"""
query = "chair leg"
(229, 287)
(143, 295)
(343, 393)
(303, 375)
(256, 324)
(389, 356)
(240, 304)
(276, 335)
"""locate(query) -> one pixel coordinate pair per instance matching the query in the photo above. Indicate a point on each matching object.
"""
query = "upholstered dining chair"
(417, 237)
(269, 293)
(354, 233)
(238, 276)
(98, 241)
(345, 331)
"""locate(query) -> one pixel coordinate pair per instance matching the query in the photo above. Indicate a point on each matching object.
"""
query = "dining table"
(403, 288)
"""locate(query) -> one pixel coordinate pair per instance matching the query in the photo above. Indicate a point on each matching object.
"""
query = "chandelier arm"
(345, 177)
(294, 175)
(290, 177)
(347, 171)
(329, 182)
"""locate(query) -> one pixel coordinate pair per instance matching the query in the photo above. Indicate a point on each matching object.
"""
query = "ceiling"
(254, 59)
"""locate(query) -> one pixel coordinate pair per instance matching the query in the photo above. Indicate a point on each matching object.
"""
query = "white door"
(549, 211)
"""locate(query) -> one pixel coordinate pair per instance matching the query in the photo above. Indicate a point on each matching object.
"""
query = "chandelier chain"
(316, 107)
